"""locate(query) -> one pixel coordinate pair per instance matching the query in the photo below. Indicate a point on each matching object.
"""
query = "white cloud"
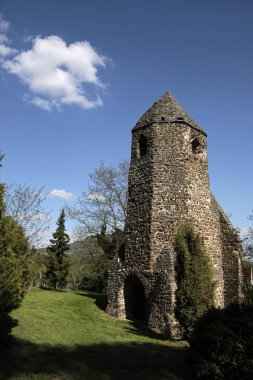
(4, 38)
(60, 193)
(57, 74)
(4, 25)
(40, 102)
(6, 50)
(95, 196)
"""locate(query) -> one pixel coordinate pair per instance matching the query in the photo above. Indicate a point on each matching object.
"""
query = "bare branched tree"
(105, 201)
(25, 205)
(1, 158)
(248, 242)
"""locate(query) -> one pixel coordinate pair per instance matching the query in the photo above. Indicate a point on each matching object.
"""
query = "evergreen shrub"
(221, 346)
(194, 277)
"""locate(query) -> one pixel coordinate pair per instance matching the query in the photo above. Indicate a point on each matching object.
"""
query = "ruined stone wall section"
(231, 249)
(117, 276)
(248, 275)
(158, 295)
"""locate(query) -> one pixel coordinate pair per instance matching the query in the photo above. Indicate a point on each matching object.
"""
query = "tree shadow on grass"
(137, 327)
(46, 289)
(7, 323)
(27, 360)
(100, 299)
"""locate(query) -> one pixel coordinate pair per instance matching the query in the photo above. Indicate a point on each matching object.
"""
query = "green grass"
(68, 336)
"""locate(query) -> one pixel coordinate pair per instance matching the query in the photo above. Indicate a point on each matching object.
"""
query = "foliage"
(221, 346)
(104, 204)
(39, 266)
(195, 286)
(89, 263)
(15, 255)
(95, 274)
(25, 206)
(88, 267)
(105, 201)
(76, 271)
(82, 256)
(248, 294)
(112, 243)
(57, 262)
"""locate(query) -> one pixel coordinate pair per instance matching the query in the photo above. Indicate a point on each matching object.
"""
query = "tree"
(15, 257)
(112, 244)
(39, 265)
(1, 158)
(95, 274)
(195, 285)
(15, 266)
(105, 201)
(25, 206)
(100, 212)
(57, 261)
(221, 346)
(248, 242)
(88, 266)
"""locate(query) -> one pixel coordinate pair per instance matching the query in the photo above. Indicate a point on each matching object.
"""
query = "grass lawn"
(68, 336)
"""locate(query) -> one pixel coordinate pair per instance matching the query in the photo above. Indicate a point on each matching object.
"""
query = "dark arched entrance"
(134, 295)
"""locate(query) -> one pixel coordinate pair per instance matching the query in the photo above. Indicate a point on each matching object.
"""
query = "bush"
(221, 346)
(194, 277)
(15, 255)
(95, 275)
(15, 258)
(248, 294)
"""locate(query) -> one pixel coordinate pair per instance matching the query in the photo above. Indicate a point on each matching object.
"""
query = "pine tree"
(194, 277)
(57, 261)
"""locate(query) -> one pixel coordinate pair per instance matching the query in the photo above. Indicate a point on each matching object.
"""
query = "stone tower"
(169, 185)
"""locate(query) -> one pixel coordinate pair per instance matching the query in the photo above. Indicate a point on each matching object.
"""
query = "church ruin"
(168, 186)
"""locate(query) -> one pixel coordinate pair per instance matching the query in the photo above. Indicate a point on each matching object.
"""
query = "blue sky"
(200, 50)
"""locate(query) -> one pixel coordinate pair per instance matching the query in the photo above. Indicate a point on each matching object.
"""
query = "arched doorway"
(134, 296)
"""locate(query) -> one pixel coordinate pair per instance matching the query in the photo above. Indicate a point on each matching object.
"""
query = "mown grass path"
(68, 336)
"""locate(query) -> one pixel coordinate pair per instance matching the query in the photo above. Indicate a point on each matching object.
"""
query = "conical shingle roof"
(166, 110)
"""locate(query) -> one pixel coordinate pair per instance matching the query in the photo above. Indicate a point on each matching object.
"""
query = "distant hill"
(78, 247)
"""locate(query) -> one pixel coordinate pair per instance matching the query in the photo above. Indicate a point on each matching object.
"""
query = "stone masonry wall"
(168, 186)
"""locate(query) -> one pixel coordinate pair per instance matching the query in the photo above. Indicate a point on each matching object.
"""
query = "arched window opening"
(121, 253)
(134, 296)
(196, 146)
(143, 144)
(131, 194)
